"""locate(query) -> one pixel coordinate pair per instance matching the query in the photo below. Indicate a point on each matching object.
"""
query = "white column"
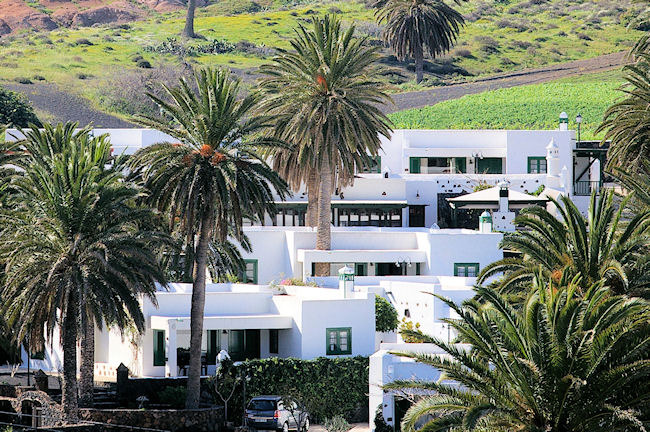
(171, 365)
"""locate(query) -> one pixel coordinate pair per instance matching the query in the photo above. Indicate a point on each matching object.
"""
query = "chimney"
(564, 121)
(503, 197)
(346, 281)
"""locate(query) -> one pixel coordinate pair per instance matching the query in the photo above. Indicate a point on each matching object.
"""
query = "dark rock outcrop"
(4, 28)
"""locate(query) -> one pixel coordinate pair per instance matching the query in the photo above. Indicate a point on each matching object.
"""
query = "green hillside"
(526, 107)
(108, 64)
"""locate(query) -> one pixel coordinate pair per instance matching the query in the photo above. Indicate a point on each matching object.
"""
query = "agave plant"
(565, 361)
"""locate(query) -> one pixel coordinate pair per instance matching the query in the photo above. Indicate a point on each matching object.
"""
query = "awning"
(377, 204)
(489, 199)
(226, 322)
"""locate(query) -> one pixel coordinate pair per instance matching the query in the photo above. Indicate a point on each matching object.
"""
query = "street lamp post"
(578, 121)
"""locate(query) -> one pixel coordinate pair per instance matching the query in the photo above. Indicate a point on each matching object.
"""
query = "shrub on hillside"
(23, 80)
(487, 44)
(15, 110)
(83, 41)
(144, 64)
(180, 49)
(236, 7)
(463, 53)
(125, 92)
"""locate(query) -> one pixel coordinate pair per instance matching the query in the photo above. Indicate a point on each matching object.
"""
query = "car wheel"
(285, 427)
(305, 426)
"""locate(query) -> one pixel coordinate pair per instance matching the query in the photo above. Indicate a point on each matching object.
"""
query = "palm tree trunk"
(87, 368)
(312, 199)
(197, 312)
(188, 31)
(69, 390)
(324, 235)
(419, 66)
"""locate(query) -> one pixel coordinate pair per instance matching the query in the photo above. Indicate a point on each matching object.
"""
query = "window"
(460, 165)
(489, 166)
(159, 357)
(430, 165)
(214, 346)
(339, 341)
(536, 165)
(361, 269)
(236, 344)
(466, 269)
(273, 341)
(373, 167)
(250, 272)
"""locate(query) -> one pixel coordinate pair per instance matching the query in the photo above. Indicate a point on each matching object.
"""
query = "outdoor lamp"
(578, 121)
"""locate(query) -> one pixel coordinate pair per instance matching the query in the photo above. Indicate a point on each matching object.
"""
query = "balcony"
(585, 187)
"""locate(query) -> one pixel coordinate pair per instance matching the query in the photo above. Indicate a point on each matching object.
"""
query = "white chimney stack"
(346, 281)
(564, 121)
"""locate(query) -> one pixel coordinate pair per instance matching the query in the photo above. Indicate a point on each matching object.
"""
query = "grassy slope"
(550, 33)
(527, 107)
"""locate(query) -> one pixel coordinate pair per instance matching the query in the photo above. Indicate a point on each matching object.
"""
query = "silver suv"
(272, 413)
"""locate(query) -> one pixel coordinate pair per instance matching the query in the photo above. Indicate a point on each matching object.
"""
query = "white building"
(386, 228)
(248, 321)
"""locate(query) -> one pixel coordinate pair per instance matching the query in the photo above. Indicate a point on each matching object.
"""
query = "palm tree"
(188, 30)
(74, 249)
(322, 97)
(600, 246)
(211, 179)
(414, 28)
(627, 122)
(563, 362)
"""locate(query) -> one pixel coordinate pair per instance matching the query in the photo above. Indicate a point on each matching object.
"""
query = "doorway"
(416, 216)
(489, 166)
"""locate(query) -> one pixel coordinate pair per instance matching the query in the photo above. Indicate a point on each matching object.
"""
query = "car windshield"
(261, 405)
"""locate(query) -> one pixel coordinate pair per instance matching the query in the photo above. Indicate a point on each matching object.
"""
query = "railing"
(585, 187)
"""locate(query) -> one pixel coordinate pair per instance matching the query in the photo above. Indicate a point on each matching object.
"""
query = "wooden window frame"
(255, 271)
(537, 159)
(459, 265)
(337, 350)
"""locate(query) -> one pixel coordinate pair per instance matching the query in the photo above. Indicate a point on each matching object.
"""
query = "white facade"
(386, 368)
(283, 252)
(302, 317)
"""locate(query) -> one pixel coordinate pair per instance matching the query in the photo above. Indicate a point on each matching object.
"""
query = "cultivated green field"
(526, 107)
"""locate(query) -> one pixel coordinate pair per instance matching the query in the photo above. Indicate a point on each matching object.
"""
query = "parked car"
(275, 414)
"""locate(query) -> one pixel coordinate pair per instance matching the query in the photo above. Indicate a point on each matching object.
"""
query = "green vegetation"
(534, 106)
(523, 33)
(564, 360)
(386, 318)
(15, 110)
(326, 386)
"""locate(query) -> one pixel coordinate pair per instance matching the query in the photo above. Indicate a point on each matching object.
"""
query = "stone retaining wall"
(198, 420)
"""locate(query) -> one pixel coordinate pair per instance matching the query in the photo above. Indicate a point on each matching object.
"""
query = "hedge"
(327, 386)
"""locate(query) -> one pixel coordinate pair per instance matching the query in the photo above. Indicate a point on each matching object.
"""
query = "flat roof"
(227, 322)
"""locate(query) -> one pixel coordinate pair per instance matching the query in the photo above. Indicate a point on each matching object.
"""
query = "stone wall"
(198, 420)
